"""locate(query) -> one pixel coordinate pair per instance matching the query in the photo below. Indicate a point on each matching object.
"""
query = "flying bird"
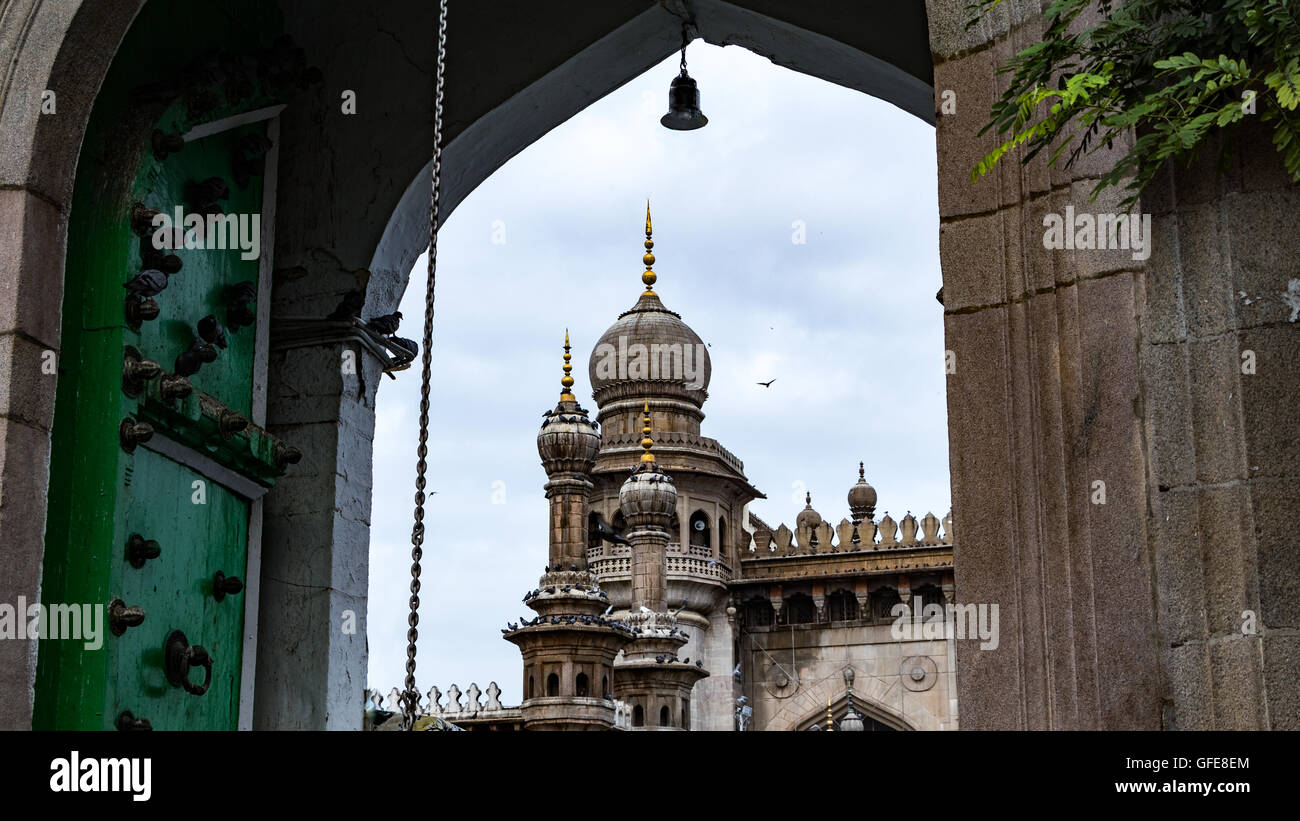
(766, 384)
(608, 610)
(210, 331)
(607, 533)
(386, 325)
(150, 282)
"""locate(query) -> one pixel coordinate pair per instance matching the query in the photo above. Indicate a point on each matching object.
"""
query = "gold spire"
(649, 259)
(830, 720)
(566, 395)
(646, 441)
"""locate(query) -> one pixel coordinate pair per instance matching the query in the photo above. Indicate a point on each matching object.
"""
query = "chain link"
(411, 696)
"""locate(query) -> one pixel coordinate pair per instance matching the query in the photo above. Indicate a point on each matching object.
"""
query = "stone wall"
(1110, 372)
(883, 687)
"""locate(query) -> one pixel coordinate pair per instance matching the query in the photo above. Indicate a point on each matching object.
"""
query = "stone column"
(649, 579)
(567, 494)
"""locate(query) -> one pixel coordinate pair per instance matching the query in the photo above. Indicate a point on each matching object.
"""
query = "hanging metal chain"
(411, 696)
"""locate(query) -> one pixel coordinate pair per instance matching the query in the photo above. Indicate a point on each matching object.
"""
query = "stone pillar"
(568, 533)
(649, 578)
(1125, 483)
(315, 544)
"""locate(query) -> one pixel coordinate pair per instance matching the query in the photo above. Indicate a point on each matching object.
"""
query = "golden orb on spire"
(566, 395)
(646, 442)
(649, 276)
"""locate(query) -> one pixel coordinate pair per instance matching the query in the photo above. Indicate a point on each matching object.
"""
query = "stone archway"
(357, 202)
(1071, 369)
(876, 696)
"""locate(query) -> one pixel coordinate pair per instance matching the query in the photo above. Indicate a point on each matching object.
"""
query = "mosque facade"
(667, 605)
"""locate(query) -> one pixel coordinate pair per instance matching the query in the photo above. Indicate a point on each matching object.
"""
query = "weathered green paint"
(100, 494)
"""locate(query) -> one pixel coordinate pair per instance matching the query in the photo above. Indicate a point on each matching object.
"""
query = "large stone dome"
(650, 351)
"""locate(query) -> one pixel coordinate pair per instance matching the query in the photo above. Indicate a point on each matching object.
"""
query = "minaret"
(568, 443)
(648, 500)
(651, 678)
(569, 648)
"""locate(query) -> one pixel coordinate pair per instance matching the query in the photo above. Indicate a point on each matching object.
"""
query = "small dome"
(862, 495)
(808, 517)
(568, 441)
(648, 497)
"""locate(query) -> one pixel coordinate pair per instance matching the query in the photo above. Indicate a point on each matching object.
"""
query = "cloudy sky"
(846, 323)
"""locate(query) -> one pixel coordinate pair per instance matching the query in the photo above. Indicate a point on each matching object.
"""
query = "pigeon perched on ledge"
(150, 282)
(385, 325)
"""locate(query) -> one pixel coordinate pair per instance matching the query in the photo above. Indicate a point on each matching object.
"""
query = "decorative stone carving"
(493, 697)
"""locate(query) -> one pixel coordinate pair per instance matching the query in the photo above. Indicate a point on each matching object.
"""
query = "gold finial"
(566, 395)
(830, 721)
(649, 259)
(646, 441)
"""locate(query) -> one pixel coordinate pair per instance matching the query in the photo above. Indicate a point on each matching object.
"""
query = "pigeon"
(736, 672)
(210, 331)
(686, 660)
(385, 325)
(608, 610)
(645, 609)
(713, 562)
(573, 567)
(566, 588)
(512, 625)
(607, 533)
(766, 384)
(238, 297)
(410, 346)
(742, 700)
(350, 307)
(699, 662)
(150, 282)
(205, 352)
(187, 364)
(660, 659)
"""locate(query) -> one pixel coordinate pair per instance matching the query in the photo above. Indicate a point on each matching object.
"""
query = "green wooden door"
(156, 480)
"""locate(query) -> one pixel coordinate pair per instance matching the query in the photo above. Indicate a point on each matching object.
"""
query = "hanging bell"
(683, 104)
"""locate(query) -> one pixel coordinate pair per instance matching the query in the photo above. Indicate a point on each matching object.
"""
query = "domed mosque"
(667, 605)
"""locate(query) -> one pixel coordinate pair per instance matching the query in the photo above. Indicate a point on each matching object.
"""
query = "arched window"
(663, 716)
(580, 686)
(843, 605)
(699, 529)
(552, 685)
(619, 525)
(686, 714)
(722, 538)
(675, 530)
(638, 716)
(758, 613)
(923, 597)
(604, 687)
(882, 602)
(530, 686)
(593, 537)
(799, 609)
